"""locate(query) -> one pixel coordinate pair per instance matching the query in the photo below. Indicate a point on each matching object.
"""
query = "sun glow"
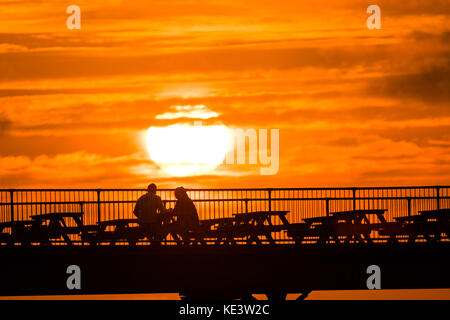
(184, 150)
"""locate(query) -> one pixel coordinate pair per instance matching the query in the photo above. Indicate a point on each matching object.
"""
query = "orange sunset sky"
(354, 107)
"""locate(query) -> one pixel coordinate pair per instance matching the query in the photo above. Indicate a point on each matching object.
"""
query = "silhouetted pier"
(272, 241)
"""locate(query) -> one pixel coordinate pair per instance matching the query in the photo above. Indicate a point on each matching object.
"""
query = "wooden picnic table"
(260, 217)
(319, 229)
(348, 224)
(440, 215)
(297, 231)
(217, 222)
(15, 224)
(443, 211)
(412, 231)
(123, 229)
(18, 233)
(412, 219)
(352, 216)
(57, 226)
(249, 226)
(430, 225)
(357, 216)
(116, 223)
(207, 230)
(319, 220)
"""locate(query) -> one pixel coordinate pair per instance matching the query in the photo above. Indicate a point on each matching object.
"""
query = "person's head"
(151, 188)
(180, 193)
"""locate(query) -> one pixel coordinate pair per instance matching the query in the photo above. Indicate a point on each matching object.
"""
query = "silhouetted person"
(146, 210)
(187, 216)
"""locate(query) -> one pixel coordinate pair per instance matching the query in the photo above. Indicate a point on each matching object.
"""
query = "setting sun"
(182, 150)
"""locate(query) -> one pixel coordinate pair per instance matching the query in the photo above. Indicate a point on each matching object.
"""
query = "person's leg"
(156, 232)
(147, 230)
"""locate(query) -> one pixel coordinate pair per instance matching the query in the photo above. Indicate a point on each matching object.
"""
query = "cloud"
(192, 112)
(5, 124)
(419, 35)
(73, 169)
(72, 65)
(423, 136)
(415, 7)
(429, 85)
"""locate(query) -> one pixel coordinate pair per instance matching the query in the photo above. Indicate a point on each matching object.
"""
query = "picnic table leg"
(62, 225)
(80, 225)
(381, 217)
(428, 238)
(218, 240)
(199, 238)
(231, 241)
(357, 237)
(323, 239)
(253, 238)
(298, 239)
(155, 237)
(366, 238)
(270, 238)
(284, 220)
(176, 238)
(393, 238)
(67, 239)
(448, 234)
(336, 239)
(164, 235)
(98, 237)
(412, 238)
(320, 240)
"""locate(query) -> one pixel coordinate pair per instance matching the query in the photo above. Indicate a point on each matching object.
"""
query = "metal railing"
(106, 204)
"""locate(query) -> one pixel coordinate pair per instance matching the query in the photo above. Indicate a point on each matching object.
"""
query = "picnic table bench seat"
(20, 232)
(56, 215)
(15, 224)
(336, 228)
(208, 223)
(244, 230)
(249, 233)
(96, 235)
(443, 211)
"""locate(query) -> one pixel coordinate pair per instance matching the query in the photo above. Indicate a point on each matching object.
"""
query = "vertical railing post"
(269, 196)
(438, 198)
(354, 198)
(246, 205)
(82, 211)
(409, 207)
(11, 201)
(327, 207)
(98, 206)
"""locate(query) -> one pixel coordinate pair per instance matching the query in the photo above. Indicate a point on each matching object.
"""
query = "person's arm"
(161, 207)
(177, 210)
(195, 213)
(137, 209)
